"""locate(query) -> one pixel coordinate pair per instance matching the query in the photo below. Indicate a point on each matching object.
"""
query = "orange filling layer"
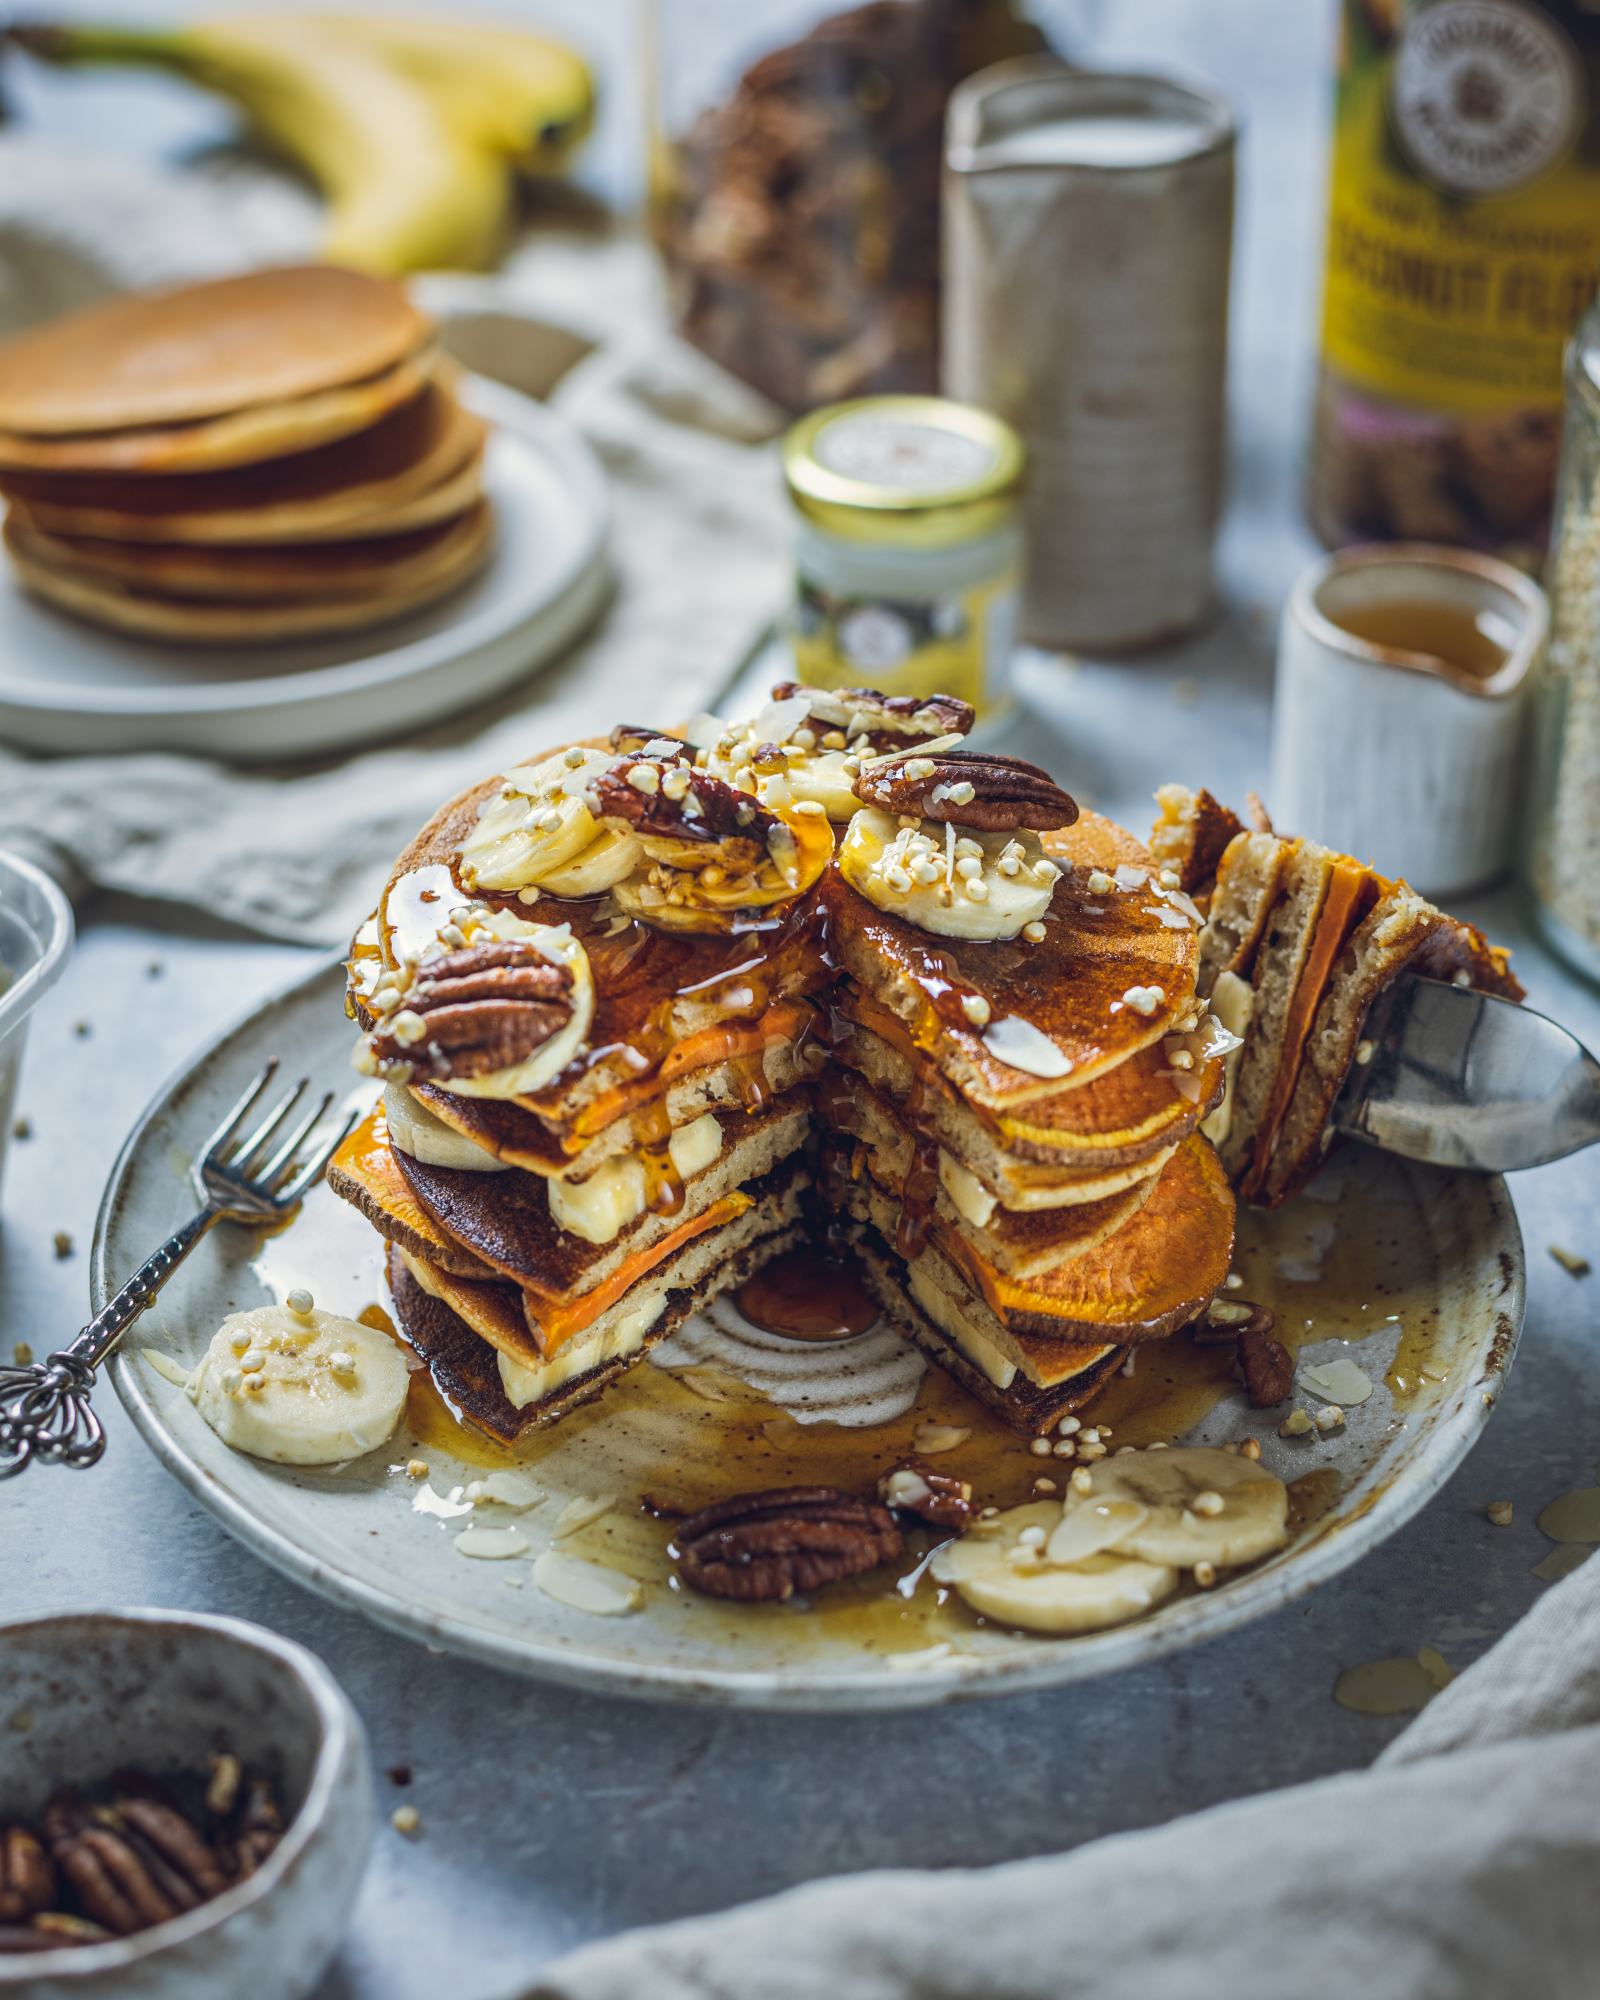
(1351, 890)
(553, 1319)
(724, 1041)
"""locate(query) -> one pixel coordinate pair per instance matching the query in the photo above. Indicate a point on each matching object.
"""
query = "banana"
(1200, 1505)
(1001, 1575)
(421, 1136)
(406, 189)
(300, 1388)
(515, 93)
(539, 832)
(955, 884)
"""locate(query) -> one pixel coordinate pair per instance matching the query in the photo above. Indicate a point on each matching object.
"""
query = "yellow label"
(1464, 223)
(957, 645)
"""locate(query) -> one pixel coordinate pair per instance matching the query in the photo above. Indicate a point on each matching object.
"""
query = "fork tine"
(225, 1132)
(269, 1170)
(316, 1166)
(252, 1146)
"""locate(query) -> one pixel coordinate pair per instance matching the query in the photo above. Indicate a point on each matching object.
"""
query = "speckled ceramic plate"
(1417, 1276)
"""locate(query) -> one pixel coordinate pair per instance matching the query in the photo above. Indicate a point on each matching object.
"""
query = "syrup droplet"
(807, 1297)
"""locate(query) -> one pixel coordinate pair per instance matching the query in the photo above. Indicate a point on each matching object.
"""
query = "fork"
(254, 1179)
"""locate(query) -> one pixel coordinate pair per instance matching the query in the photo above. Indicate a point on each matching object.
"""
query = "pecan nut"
(1264, 1363)
(938, 1498)
(634, 739)
(132, 1864)
(884, 720)
(972, 788)
(475, 1010)
(669, 802)
(763, 1547)
(27, 1879)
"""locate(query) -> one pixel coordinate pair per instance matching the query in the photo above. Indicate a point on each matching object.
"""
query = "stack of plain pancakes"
(1006, 1128)
(260, 458)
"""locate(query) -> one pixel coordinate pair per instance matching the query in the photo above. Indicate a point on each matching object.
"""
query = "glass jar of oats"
(1563, 847)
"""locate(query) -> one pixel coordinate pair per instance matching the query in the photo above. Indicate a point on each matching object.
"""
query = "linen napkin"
(699, 542)
(1463, 1865)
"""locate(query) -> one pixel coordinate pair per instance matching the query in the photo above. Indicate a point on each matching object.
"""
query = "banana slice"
(685, 887)
(1001, 1576)
(953, 883)
(300, 1388)
(422, 1136)
(1200, 1505)
(608, 859)
(539, 824)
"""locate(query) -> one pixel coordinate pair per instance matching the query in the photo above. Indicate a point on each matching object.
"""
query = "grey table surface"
(550, 1818)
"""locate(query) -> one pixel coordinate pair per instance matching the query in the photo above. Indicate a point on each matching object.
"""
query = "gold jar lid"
(904, 471)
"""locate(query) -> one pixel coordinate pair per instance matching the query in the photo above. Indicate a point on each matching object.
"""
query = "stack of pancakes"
(1006, 1129)
(1025, 1231)
(259, 458)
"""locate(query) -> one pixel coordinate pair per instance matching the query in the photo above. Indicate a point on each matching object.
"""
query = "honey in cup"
(1399, 711)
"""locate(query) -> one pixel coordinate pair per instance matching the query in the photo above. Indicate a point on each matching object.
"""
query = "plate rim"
(1286, 1578)
(537, 426)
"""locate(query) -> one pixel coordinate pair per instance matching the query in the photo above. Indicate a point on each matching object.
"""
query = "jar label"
(958, 643)
(1464, 224)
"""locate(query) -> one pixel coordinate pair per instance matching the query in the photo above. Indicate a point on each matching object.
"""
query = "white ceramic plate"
(1436, 1260)
(67, 685)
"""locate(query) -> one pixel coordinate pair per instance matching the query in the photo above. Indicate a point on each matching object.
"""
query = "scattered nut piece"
(23, 1129)
(407, 1820)
(1574, 1266)
(65, 1246)
(1501, 1513)
(1296, 1424)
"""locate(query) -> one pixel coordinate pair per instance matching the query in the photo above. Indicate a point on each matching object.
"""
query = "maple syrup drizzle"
(805, 1295)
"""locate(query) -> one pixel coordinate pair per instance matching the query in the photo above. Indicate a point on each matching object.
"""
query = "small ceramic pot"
(87, 1693)
(1404, 759)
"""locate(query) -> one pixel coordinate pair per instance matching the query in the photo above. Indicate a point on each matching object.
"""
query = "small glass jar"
(908, 556)
(1563, 840)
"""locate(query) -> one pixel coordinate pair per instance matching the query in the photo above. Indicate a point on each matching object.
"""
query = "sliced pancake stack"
(640, 1031)
(1299, 942)
(259, 458)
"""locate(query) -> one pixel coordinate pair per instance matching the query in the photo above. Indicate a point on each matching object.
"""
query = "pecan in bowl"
(473, 1011)
(760, 1548)
(883, 720)
(971, 788)
(938, 1499)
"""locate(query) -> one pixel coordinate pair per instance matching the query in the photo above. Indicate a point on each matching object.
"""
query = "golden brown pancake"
(239, 437)
(1098, 947)
(370, 570)
(193, 352)
(462, 550)
(361, 485)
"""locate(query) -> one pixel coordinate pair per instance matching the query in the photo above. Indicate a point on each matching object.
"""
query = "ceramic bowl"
(86, 1693)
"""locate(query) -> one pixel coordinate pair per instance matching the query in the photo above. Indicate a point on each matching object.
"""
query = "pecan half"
(1265, 1364)
(884, 719)
(633, 737)
(974, 788)
(938, 1498)
(27, 1880)
(472, 1011)
(763, 1547)
(671, 803)
(134, 1864)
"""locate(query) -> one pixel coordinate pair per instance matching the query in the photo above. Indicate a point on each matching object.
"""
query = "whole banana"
(412, 133)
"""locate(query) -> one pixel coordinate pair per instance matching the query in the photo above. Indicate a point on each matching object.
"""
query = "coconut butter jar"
(908, 548)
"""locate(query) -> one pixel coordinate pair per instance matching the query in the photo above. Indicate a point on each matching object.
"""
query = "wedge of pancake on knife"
(1298, 943)
(613, 995)
(253, 459)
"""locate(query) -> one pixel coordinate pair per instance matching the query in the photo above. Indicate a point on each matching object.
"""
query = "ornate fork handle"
(44, 1408)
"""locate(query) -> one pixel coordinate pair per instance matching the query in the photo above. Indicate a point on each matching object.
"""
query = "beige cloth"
(699, 551)
(1463, 1866)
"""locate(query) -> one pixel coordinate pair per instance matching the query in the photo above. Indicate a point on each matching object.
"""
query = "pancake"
(193, 352)
(466, 1368)
(1154, 1275)
(368, 571)
(929, 1319)
(258, 621)
(240, 437)
(381, 475)
(505, 1221)
(1072, 986)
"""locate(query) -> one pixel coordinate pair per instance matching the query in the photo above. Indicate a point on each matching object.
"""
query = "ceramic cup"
(1403, 758)
(86, 1693)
